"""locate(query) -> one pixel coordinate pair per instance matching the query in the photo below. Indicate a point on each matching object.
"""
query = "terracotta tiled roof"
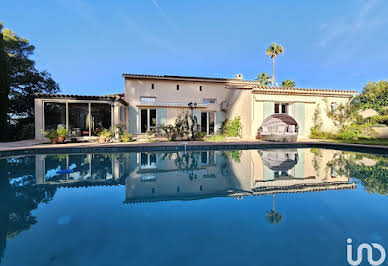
(243, 84)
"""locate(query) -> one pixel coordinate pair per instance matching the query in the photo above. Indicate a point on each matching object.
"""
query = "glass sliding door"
(79, 119)
(207, 122)
(101, 116)
(147, 119)
(54, 115)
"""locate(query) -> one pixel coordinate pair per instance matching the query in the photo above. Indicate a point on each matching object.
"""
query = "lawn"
(383, 142)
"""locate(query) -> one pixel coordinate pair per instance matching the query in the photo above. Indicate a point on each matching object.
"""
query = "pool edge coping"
(189, 146)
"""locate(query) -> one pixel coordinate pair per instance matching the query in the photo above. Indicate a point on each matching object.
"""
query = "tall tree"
(25, 80)
(4, 87)
(264, 79)
(273, 51)
(288, 83)
(374, 95)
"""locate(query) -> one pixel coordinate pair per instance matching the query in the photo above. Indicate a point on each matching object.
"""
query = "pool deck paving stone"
(37, 146)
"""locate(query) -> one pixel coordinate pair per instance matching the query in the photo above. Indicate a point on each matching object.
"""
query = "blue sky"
(86, 45)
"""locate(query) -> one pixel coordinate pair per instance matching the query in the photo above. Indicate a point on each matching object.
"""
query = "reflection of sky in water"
(95, 223)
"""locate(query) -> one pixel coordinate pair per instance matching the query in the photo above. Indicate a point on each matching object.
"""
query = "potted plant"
(104, 135)
(126, 137)
(52, 135)
(62, 134)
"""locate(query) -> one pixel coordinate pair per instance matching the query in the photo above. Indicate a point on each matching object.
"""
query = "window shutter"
(161, 116)
(300, 117)
(220, 117)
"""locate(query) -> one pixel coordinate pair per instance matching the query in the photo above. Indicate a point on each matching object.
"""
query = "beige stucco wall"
(311, 103)
(165, 91)
(240, 104)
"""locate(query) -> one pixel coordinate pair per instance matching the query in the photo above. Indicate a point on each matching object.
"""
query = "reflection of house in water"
(157, 176)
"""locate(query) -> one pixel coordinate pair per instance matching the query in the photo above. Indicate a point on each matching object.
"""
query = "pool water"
(238, 207)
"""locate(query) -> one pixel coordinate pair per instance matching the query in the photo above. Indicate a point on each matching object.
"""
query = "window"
(177, 87)
(147, 161)
(152, 86)
(101, 114)
(147, 119)
(209, 101)
(54, 115)
(79, 119)
(200, 88)
(147, 99)
(207, 122)
(281, 108)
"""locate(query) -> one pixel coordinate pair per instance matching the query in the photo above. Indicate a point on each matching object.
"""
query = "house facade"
(149, 101)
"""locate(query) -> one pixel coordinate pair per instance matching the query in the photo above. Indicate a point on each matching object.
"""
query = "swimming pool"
(232, 207)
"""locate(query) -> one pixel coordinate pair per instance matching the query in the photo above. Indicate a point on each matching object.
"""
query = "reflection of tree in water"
(102, 165)
(186, 162)
(317, 160)
(18, 197)
(273, 216)
(372, 176)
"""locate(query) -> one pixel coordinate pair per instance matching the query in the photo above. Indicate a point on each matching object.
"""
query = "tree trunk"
(4, 90)
(273, 70)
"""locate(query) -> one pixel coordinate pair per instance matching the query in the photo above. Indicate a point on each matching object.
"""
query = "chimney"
(238, 76)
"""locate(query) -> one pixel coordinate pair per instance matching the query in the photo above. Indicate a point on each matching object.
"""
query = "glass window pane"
(54, 115)
(79, 119)
(101, 116)
(152, 117)
(211, 123)
(143, 121)
(204, 122)
(284, 109)
(276, 108)
(147, 99)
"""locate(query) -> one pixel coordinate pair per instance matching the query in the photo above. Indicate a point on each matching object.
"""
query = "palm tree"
(272, 216)
(264, 79)
(288, 83)
(274, 50)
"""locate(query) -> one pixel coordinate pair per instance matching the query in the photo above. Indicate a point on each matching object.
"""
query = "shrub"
(26, 131)
(379, 119)
(170, 131)
(62, 132)
(232, 128)
(106, 133)
(52, 134)
(126, 137)
(354, 132)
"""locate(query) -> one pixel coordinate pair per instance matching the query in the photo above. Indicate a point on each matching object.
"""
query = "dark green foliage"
(374, 95)
(186, 127)
(373, 177)
(231, 128)
(4, 86)
(25, 80)
(288, 83)
(234, 155)
(264, 79)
